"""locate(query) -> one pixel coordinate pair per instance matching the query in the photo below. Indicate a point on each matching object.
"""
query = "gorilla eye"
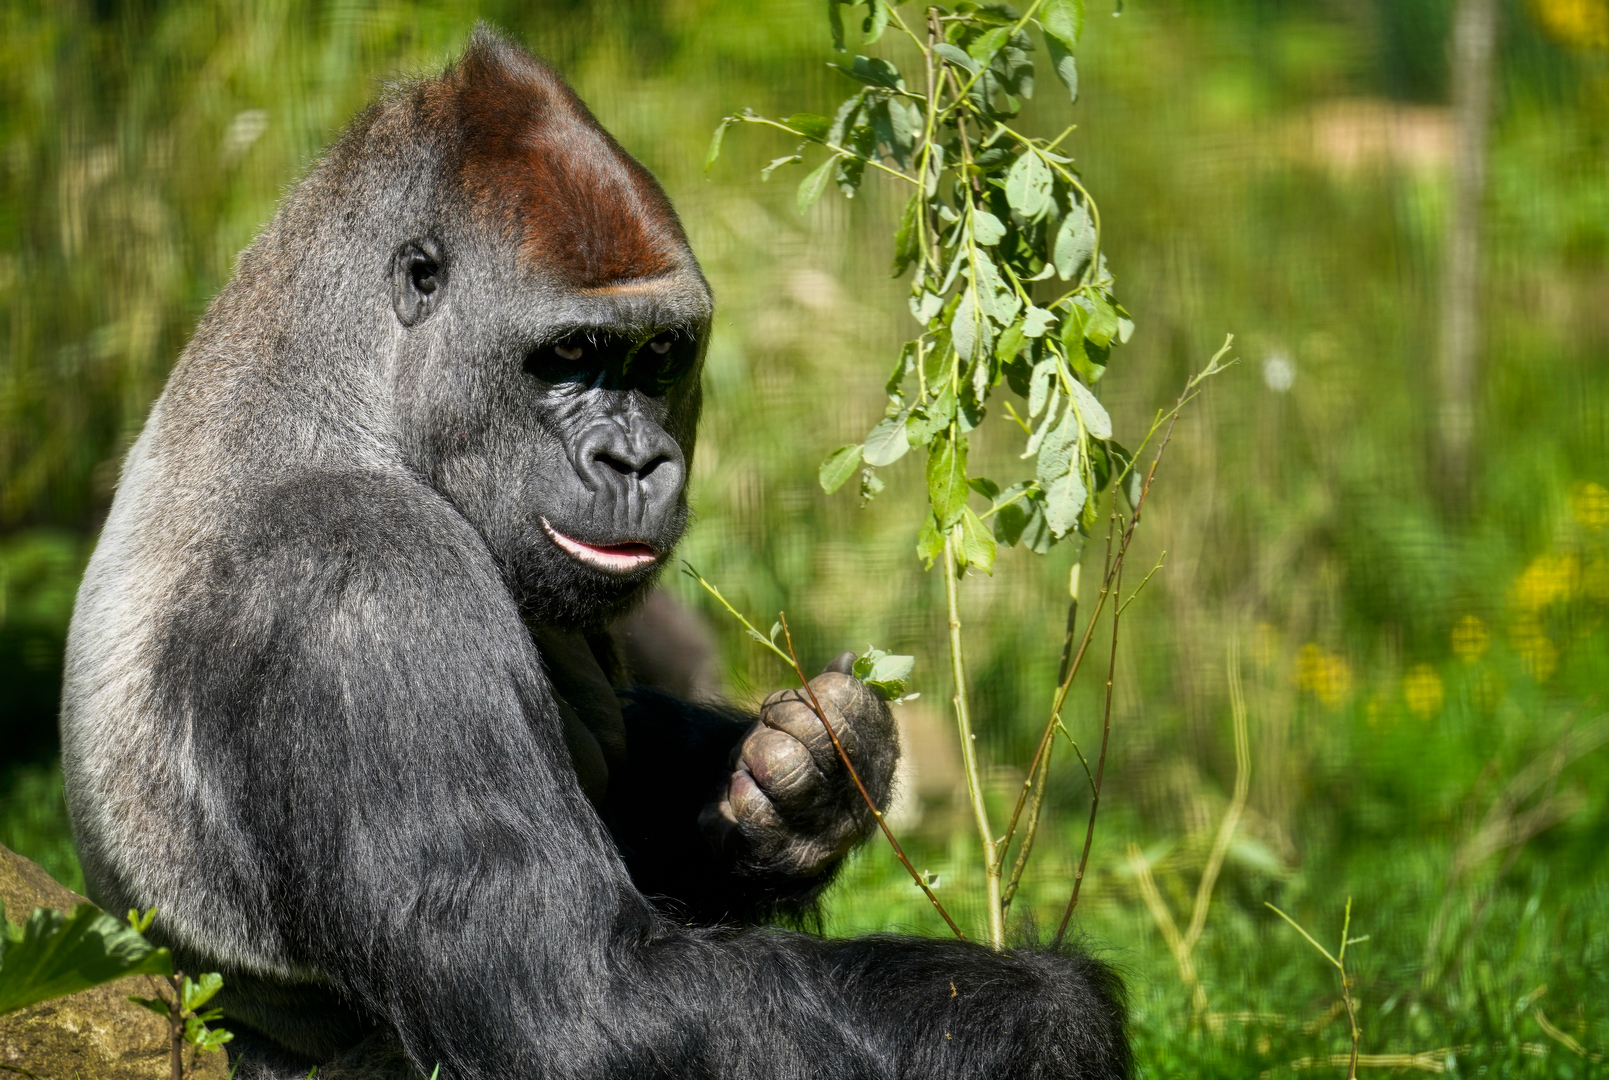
(660, 345)
(422, 271)
(568, 352)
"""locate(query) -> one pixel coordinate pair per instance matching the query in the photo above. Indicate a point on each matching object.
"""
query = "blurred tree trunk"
(1474, 41)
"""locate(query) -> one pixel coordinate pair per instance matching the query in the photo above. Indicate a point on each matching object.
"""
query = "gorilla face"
(551, 326)
(559, 421)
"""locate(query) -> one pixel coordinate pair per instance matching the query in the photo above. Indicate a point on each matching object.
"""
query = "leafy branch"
(1009, 285)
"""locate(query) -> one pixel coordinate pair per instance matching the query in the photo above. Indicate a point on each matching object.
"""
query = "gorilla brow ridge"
(539, 169)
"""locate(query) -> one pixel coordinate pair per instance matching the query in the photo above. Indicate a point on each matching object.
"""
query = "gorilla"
(359, 696)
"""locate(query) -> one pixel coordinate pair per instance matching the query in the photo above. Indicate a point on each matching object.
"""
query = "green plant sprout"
(180, 1004)
(1337, 961)
(1010, 284)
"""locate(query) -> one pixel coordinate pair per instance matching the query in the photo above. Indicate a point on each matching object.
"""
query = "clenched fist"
(790, 807)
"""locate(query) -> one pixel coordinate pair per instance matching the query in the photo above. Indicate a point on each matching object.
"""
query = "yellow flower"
(1581, 23)
(1590, 504)
(1423, 690)
(1325, 675)
(1539, 655)
(1471, 639)
(1549, 579)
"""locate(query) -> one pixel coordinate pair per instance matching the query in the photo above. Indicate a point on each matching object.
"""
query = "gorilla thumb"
(843, 664)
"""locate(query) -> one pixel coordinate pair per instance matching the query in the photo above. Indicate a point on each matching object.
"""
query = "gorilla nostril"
(624, 468)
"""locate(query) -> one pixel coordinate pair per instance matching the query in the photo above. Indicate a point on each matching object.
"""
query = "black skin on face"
(410, 768)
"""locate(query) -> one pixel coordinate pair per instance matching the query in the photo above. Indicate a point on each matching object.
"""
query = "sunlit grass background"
(1423, 693)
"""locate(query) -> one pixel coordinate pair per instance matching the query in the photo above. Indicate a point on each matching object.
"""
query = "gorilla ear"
(418, 278)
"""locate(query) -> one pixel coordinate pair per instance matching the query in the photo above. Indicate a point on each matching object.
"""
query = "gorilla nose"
(608, 453)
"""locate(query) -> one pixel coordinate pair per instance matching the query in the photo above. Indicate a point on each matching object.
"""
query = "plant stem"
(1106, 725)
(969, 749)
(854, 774)
(176, 1027)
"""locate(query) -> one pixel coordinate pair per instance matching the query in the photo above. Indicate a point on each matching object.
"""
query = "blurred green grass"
(1278, 171)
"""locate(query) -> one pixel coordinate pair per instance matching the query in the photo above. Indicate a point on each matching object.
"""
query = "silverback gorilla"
(345, 698)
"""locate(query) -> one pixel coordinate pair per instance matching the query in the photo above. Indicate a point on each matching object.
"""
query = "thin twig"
(1115, 574)
(1106, 733)
(854, 775)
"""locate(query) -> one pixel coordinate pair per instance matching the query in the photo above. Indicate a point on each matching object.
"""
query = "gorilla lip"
(613, 558)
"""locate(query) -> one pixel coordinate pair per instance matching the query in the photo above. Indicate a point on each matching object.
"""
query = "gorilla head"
(551, 328)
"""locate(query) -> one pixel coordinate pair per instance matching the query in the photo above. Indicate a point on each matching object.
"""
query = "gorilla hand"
(790, 807)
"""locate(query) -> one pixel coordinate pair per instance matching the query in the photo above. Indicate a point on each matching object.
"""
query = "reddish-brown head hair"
(540, 169)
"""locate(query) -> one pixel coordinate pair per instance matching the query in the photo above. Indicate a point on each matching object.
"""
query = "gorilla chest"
(594, 729)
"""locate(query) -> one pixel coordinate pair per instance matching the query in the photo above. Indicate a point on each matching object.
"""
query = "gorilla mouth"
(611, 558)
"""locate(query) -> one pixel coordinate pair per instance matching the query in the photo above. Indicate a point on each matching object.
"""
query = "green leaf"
(887, 442)
(984, 46)
(54, 954)
(1059, 453)
(1010, 343)
(776, 163)
(715, 142)
(1091, 411)
(873, 71)
(1063, 64)
(888, 674)
(925, 305)
(957, 57)
(835, 19)
(197, 992)
(965, 325)
(1036, 321)
(811, 187)
(947, 480)
(1131, 482)
(1039, 385)
(871, 485)
(929, 543)
(1028, 186)
(906, 250)
(811, 125)
(977, 543)
(844, 119)
(214, 1038)
(1063, 20)
(931, 418)
(876, 20)
(839, 467)
(1102, 325)
(986, 228)
(1075, 243)
(156, 1005)
(1064, 498)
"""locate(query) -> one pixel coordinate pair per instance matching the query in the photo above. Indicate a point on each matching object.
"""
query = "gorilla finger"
(842, 664)
(783, 769)
(837, 690)
(750, 806)
(801, 722)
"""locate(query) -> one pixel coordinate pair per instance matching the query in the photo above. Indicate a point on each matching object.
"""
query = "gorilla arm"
(720, 816)
(372, 732)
